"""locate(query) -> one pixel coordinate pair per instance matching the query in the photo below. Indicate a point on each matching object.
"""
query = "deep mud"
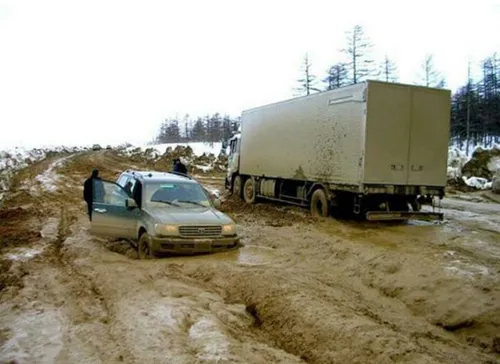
(15, 225)
(298, 291)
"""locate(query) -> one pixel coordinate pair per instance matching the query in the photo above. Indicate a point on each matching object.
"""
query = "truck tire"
(249, 191)
(319, 204)
(237, 188)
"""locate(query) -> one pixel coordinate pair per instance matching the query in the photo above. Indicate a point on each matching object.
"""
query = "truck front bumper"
(194, 246)
(403, 215)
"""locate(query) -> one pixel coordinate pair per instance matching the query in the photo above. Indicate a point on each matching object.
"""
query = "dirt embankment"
(208, 164)
(300, 291)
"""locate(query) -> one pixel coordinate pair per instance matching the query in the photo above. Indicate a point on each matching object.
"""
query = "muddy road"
(299, 291)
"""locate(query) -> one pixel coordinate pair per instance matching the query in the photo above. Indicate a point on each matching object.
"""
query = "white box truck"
(373, 149)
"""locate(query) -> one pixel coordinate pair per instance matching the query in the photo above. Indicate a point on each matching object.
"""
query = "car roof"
(155, 176)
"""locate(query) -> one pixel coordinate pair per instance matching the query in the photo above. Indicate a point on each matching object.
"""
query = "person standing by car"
(93, 190)
(179, 166)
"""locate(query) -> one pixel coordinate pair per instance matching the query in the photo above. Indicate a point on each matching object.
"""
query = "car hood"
(190, 216)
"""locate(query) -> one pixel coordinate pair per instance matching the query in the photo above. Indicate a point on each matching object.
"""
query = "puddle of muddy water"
(246, 255)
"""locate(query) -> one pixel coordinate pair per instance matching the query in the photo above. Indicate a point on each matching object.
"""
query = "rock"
(495, 184)
(482, 164)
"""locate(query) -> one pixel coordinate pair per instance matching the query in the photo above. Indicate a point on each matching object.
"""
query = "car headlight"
(229, 229)
(165, 229)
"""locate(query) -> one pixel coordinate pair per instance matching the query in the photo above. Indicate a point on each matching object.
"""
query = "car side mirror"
(217, 202)
(130, 203)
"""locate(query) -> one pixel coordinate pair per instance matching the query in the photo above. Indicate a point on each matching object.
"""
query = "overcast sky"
(109, 71)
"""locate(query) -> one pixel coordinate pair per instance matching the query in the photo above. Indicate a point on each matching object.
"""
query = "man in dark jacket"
(93, 191)
(179, 166)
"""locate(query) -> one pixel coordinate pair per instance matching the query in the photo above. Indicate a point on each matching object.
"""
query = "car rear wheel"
(144, 247)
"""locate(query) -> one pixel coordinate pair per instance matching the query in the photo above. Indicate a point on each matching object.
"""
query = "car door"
(110, 215)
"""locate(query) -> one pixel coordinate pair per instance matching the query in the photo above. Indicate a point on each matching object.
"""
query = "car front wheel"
(144, 247)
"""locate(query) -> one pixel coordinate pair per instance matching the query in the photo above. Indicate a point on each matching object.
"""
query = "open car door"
(113, 212)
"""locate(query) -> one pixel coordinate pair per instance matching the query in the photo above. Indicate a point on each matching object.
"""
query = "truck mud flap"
(403, 215)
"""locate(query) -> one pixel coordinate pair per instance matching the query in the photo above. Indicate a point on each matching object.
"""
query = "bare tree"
(388, 70)
(430, 76)
(307, 82)
(337, 76)
(358, 49)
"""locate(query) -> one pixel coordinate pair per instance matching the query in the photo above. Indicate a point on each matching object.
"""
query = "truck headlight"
(229, 229)
(165, 229)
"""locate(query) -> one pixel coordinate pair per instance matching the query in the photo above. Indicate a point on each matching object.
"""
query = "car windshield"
(176, 194)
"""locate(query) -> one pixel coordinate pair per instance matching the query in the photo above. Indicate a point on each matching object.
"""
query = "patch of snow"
(477, 182)
(24, 254)
(14, 159)
(457, 158)
(49, 177)
(456, 161)
(205, 169)
(454, 172)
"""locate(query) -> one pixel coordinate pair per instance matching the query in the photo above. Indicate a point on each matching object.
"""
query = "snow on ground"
(456, 161)
(202, 156)
(15, 159)
(477, 182)
(457, 158)
(48, 179)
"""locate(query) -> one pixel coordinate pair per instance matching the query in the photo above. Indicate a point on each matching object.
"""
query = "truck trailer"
(375, 150)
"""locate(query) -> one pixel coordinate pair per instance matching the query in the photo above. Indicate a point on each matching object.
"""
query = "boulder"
(495, 183)
(482, 164)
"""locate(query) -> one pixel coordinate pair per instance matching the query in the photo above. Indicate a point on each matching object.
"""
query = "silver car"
(161, 213)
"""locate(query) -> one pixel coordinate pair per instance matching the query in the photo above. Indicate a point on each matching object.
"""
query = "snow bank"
(198, 156)
(477, 182)
(15, 159)
(198, 148)
(472, 168)
(456, 161)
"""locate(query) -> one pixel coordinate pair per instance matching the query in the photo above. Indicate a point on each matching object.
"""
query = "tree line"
(475, 111)
(210, 128)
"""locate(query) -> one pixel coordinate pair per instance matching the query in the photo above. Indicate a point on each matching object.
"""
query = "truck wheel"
(249, 191)
(237, 186)
(319, 204)
(144, 247)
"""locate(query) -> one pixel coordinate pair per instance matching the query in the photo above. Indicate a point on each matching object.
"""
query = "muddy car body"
(162, 213)
(373, 149)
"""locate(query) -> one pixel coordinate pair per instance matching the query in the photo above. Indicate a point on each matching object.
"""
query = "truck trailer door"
(388, 120)
(429, 136)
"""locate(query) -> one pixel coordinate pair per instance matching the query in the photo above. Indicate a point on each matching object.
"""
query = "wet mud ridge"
(299, 291)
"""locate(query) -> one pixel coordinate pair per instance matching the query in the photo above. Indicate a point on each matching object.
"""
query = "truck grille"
(200, 231)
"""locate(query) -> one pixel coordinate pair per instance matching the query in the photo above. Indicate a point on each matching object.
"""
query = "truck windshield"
(176, 194)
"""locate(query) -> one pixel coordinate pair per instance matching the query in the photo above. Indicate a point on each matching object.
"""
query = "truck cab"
(233, 159)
